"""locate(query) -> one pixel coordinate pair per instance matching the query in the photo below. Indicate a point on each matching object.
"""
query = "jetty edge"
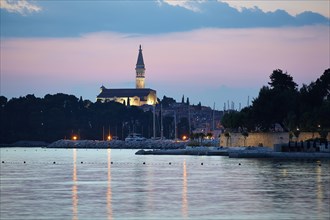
(237, 152)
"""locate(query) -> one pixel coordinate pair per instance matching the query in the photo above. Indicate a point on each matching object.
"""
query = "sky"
(209, 51)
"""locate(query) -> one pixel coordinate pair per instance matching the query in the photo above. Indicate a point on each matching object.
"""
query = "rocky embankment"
(26, 144)
(148, 144)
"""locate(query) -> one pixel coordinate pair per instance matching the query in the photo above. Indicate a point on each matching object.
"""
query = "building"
(138, 96)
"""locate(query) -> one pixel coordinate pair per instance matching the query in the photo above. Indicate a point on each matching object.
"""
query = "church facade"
(130, 96)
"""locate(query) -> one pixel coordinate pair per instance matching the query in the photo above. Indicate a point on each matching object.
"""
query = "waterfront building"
(130, 96)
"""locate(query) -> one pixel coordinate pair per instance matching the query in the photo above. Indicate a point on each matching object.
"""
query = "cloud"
(72, 18)
(19, 6)
(190, 5)
(293, 7)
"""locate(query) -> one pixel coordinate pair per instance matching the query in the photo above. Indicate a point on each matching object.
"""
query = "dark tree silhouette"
(282, 103)
(280, 80)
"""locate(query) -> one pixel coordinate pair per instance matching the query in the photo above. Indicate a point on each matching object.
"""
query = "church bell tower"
(140, 69)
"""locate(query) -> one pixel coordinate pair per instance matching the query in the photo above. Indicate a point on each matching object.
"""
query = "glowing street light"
(184, 137)
(109, 138)
(74, 137)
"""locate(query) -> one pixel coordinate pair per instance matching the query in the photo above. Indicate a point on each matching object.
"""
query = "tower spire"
(140, 62)
(140, 69)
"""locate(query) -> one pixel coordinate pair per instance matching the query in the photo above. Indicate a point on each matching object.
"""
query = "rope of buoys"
(130, 163)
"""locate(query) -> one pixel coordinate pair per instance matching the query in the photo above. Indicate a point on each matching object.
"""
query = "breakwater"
(118, 144)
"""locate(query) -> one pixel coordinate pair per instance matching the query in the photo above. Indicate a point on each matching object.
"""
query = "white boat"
(135, 137)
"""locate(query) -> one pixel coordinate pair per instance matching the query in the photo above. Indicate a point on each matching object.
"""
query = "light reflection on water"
(184, 192)
(74, 187)
(109, 193)
(84, 184)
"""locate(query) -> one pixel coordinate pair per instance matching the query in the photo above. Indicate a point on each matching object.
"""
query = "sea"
(44, 183)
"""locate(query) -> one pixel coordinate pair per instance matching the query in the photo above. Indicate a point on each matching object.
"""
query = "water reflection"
(150, 187)
(319, 190)
(284, 172)
(184, 192)
(109, 192)
(74, 187)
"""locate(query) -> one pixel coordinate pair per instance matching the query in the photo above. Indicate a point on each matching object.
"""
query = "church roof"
(140, 62)
(111, 93)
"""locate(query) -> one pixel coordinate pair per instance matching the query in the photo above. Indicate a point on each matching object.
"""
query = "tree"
(245, 135)
(281, 102)
(183, 127)
(280, 80)
(227, 135)
(275, 104)
(167, 101)
(199, 106)
(232, 120)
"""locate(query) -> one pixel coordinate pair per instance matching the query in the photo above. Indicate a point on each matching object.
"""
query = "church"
(130, 96)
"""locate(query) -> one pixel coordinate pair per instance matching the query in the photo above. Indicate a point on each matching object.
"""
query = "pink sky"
(191, 63)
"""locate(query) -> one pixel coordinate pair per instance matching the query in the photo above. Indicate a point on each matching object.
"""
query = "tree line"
(281, 104)
(63, 116)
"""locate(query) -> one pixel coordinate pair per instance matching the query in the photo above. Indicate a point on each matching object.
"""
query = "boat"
(135, 137)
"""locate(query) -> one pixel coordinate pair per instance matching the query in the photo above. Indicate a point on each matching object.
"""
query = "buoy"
(239, 164)
(54, 162)
(201, 163)
(320, 165)
(3, 161)
(81, 162)
(144, 162)
(24, 162)
(169, 163)
(111, 162)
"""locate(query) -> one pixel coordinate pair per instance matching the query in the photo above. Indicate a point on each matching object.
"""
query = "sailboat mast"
(154, 122)
(213, 116)
(161, 122)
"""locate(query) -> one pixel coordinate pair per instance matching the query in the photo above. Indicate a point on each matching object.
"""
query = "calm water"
(84, 184)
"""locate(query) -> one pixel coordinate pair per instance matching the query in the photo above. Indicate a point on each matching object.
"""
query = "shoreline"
(170, 147)
(239, 152)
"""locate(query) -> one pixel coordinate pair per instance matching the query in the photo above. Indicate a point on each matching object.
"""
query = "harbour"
(117, 184)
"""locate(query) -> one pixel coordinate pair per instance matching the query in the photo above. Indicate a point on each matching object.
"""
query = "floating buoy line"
(83, 163)
(122, 164)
